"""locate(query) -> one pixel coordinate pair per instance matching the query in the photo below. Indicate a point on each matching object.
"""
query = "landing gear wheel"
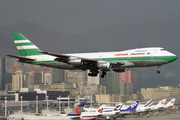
(158, 71)
(93, 73)
(103, 72)
(102, 76)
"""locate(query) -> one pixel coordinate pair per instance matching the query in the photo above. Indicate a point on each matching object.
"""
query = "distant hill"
(42, 37)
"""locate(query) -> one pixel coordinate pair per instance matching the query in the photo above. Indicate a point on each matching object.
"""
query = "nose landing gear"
(158, 70)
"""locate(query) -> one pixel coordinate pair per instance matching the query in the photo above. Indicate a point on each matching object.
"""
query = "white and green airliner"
(117, 61)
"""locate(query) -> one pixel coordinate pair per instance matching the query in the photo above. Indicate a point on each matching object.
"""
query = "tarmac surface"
(161, 116)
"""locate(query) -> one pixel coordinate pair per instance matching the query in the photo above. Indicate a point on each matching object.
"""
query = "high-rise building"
(77, 77)
(38, 78)
(30, 79)
(10, 63)
(92, 89)
(17, 80)
(130, 76)
(102, 81)
(121, 87)
(128, 88)
(2, 72)
(57, 75)
(47, 78)
(93, 80)
(112, 83)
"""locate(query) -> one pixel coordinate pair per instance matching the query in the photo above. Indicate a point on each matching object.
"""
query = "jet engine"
(104, 66)
(75, 61)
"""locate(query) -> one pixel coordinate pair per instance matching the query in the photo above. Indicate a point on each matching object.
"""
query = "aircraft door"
(152, 57)
(100, 56)
(129, 56)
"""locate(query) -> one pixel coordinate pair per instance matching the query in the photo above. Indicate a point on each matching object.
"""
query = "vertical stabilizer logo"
(133, 105)
(163, 102)
(77, 110)
(100, 110)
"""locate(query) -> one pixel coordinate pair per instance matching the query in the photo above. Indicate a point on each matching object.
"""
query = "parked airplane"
(124, 111)
(117, 61)
(74, 114)
(144, 108)
(101, 112)
(160, 105)
(170, 103)
(130, 109)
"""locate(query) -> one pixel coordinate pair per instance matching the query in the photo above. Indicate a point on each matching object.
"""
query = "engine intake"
(104, 66)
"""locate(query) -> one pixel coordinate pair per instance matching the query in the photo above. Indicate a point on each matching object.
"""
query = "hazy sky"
(75, 16)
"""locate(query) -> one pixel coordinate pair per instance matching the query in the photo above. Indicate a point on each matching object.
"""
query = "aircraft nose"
(173, 58)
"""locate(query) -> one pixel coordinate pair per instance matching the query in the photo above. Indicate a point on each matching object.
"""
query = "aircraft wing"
(118, 63)
(65, 58)
(22, 58)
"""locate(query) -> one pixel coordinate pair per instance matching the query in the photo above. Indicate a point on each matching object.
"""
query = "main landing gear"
(158, 70)
(103, 74)
(94, 73)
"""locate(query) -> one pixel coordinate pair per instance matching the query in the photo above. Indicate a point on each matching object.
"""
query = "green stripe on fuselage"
(163, 58)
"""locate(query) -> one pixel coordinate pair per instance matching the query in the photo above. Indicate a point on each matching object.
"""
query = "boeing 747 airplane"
(117, 61)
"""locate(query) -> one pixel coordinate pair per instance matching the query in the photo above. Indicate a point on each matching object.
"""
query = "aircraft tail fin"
(171, 102)
(118, 107)
(77, 111)
(133, 106)
(24, 46)
(149, 103)
(161, 103)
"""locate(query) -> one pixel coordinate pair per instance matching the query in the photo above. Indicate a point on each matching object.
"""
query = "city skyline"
(11, 69)
(88, 26)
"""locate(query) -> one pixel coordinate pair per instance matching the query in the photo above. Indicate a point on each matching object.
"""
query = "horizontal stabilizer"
(21, 58)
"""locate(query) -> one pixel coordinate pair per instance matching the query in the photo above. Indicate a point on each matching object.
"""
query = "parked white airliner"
(117, 61)
(160, 105)
(170, 103)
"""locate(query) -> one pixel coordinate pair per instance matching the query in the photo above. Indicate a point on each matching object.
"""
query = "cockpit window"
(163, 49)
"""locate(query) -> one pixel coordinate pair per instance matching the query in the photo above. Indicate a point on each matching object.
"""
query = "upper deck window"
(163, 49)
